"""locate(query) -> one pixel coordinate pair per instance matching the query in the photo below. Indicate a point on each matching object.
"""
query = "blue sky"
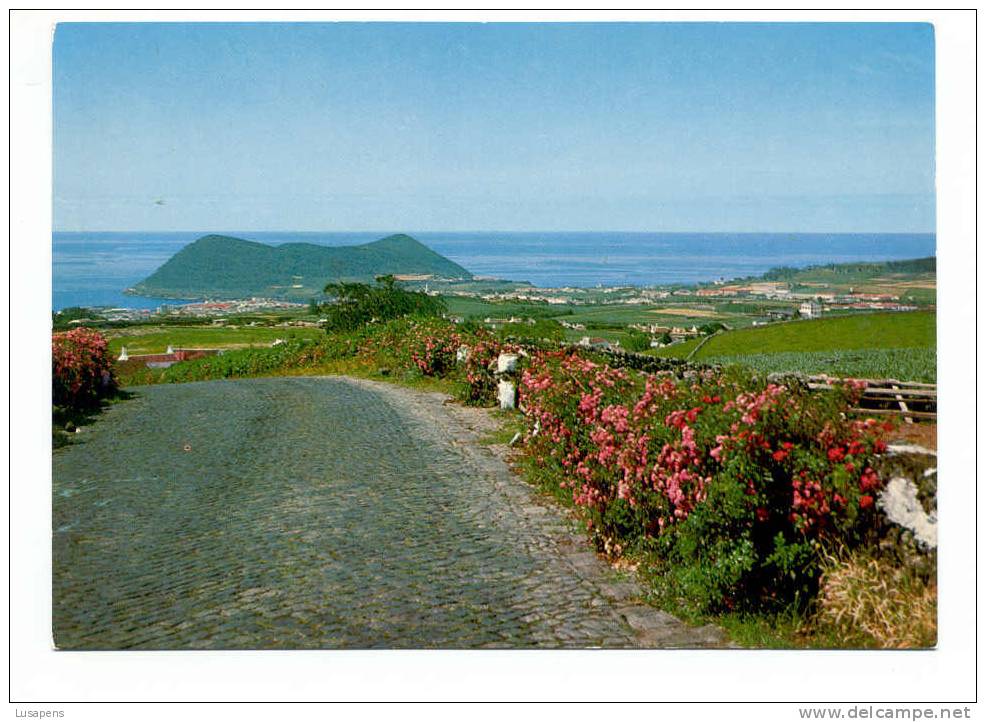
(368, 126)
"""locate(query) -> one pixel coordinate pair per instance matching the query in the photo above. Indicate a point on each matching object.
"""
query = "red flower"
(780, 455)
(869, 480)
(865, 501)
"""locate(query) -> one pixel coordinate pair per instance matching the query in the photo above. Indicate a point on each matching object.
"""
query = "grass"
(639, 313)
(479, 308)
(156, 339)
(282, 361)
(872, 345)
(838, 333)
(904, 364)
(610, 334)
(509, 423)
(678, 350)
(867, 602)
(770, 631)
(359, 369)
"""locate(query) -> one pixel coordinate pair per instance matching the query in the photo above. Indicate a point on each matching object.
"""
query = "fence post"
(506, 386)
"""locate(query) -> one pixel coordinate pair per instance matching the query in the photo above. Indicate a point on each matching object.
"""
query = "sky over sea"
(459, 126)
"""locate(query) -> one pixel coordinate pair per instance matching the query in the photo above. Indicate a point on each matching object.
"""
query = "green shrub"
(540, 330)
(636, 341)
(357, 304)
(299, 354)
(734, 483)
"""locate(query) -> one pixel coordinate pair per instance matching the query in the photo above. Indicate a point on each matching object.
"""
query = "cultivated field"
(156, 339)
(863, 331)
(873, 345)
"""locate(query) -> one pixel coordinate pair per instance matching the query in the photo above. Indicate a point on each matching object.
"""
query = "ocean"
(92, 269)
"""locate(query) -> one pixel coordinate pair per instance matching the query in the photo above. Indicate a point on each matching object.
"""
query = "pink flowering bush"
(81, 368)
(425, 346)
(482, 350)
(434, 355)
(735, 483)
(440, 349)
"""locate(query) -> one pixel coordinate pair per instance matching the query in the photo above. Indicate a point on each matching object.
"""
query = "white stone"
(506, 363)
(899, 501)
(506, 394)
(909, 449)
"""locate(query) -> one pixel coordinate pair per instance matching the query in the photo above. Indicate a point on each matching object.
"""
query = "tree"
(357, 304)
(711, 328)
(636, 341)
(61, 319)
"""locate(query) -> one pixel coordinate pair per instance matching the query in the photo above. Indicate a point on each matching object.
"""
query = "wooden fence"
(890, 397)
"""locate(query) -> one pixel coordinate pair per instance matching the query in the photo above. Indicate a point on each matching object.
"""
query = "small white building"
(810, 309)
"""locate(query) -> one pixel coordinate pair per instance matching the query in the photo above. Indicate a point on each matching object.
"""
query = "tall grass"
(866, 601)
(904, 364)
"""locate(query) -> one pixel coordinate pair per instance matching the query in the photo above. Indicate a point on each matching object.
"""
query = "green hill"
(225, 267)
(852, 270)
(915, 329)
(872, 345)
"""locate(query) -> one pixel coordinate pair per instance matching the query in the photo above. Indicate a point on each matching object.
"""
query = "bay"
(93, 268)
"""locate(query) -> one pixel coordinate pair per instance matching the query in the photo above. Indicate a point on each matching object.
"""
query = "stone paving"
(291, 513)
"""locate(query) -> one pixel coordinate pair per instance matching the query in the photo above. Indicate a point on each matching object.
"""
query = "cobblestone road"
(319, 513)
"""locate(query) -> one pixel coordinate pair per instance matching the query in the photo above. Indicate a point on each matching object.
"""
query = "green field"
(479, 308)
(903, 364)
(678, 350)
(156, 339)
(873, 345)
(840, 333)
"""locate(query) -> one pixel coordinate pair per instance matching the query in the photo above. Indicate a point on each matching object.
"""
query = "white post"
(506, 394)
(506, 363)
(123, 354)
